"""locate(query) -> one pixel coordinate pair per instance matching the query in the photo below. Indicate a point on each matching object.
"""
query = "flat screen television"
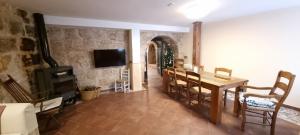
(110, 57)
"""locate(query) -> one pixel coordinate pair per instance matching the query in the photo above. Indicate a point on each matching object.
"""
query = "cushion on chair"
(172, 83)
(204, 91)
(256, 103)
(121, 81)
(179, 82)
(48, 104)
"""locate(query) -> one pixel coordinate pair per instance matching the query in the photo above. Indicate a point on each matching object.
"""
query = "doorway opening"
(160, 54)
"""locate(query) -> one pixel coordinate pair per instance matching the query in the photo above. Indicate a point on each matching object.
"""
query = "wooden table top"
(216, 80)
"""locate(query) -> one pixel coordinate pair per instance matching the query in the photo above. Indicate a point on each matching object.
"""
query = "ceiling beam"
(69, 21)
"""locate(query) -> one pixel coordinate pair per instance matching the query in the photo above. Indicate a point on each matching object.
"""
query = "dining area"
(197, 87)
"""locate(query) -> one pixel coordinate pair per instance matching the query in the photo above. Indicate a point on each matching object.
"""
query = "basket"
(90, 94)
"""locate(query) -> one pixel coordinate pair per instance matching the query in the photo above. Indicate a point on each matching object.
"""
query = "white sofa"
(19, 119)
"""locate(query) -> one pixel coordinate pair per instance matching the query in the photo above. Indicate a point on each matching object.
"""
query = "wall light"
(198, 9)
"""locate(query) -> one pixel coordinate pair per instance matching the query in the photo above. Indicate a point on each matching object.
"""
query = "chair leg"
(243, 117)
(198, 96)
(274, 116)
(115, 87)
(123, 87)
(178, 92)
(264, 117)
(238, 110)
(225, 97)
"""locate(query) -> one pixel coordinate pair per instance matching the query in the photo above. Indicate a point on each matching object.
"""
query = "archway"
(166, 51)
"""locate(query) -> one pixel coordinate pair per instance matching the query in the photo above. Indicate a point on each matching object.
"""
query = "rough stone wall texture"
(74, 46)
(18, 48)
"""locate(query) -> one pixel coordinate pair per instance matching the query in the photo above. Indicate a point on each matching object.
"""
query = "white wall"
(256, 47)
(71, 21)
(188, 47)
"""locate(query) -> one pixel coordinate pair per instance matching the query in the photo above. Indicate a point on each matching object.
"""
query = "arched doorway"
(165, 52)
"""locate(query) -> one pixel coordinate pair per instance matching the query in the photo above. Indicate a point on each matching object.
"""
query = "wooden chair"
(227, 72)
(179, 63)
(198, 69)
(266, 106)
(123, 84)
(193, 86)
(43, 107)
(175, 83)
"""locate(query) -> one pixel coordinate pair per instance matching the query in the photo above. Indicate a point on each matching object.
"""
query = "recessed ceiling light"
(171, 4)
(198, 9)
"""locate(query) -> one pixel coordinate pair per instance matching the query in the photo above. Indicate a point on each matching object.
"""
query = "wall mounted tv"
(110, 57)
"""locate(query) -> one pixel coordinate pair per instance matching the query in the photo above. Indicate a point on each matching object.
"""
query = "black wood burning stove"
(56, 80)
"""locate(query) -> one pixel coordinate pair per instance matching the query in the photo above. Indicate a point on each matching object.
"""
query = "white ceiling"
(147, 11)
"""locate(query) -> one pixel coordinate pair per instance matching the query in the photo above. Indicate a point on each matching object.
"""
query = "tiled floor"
(153, 112)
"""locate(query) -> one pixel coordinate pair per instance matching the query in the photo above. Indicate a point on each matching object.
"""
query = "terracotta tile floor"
(153, 112)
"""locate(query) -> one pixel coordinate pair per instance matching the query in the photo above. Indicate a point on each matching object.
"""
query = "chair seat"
(179, 82)
(260, 104)
(204, 91)
(48, 104)
(121, 81)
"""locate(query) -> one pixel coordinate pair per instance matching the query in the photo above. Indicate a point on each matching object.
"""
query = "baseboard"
(291, 107)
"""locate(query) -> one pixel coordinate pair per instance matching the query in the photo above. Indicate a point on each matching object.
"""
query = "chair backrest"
(125, 74)
(223, 70)
(172, 73)
(193, 79)
(17, 91)
(179, 63)
(198, 69)
(282, 88)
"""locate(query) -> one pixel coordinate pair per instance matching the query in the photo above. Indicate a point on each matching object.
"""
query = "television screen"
(107, 58)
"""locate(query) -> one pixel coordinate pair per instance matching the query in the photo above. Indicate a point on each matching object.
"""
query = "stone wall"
(18, 48)
(74, 46)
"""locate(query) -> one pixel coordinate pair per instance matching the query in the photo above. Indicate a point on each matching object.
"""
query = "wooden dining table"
(217, 84)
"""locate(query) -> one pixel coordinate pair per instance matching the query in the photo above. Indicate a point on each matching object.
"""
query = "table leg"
(216, 106)
(236, 107)
(165, 81)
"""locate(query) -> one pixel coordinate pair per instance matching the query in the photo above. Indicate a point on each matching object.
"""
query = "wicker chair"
(179, 63)
(43, 107)
(228, 73)
(193, 86)
(123, 84)
(175, 83)
(266, 106)
(197, 69)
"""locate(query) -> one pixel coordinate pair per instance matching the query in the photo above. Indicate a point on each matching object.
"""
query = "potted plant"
(90, 92)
